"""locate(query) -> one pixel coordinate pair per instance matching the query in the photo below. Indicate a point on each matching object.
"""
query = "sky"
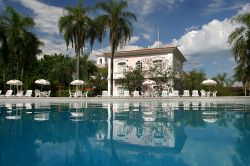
(200, 28)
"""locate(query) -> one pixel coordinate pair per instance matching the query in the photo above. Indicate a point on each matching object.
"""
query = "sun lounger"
(195, 93)
(136, 94)
(186, 93)
(37, 93)
(104, 93)
(126, 94)
(164, 93)
(78, 93)
(71, 94)
(175, 93)
(116, 93)
(85, 94)
(8, 93)
(214, 93)
(19, 93)
(28, 93)
(203, 93)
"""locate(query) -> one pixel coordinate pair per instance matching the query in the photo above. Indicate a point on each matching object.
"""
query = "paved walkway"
(231, 99)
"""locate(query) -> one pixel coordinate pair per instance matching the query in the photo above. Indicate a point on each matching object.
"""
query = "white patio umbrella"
(149, 82)
(15, 83)
(209, 82)
(42, 82)
(77, 83)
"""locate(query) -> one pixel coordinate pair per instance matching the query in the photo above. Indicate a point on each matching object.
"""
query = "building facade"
(170, 58)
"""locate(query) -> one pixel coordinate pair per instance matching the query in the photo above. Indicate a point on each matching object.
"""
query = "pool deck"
(224, 99)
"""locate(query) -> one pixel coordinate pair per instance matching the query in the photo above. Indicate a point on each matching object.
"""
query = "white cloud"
(50, 47)
(245, 9)
(211, 37)
(146, 36)
(46, 19)
(134, 39)
(45, 16)
(149, 6)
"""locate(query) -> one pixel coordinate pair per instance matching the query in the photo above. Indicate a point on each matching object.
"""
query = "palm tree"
(242, 74)
(240, 38)
(22, 44)
(116, 20)
(76, 27)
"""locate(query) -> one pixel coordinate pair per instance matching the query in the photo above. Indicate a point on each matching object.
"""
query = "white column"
(109, 76)
(109, 118)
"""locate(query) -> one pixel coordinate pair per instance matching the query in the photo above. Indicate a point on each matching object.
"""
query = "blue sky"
(199, 27)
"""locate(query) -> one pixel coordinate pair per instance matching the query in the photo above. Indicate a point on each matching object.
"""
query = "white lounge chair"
(104, 93)
(28, 93)
(78, 93)
(195, 93)
(126, 93)
(186, 93)
(203, 93)
(85, 94)
(164, 93)
(19, 93)
(175, 93)
(148, 94)
(116, 93)
(8, 93)
(71, 94)
(214, 93)
(136, 94)
(37, 93)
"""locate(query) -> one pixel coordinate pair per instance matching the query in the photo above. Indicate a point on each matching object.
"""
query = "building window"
(138, 65)
(121, 67)
(158, 64)
(100, 61)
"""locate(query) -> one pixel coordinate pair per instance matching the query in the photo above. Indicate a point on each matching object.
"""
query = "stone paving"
(230, 99)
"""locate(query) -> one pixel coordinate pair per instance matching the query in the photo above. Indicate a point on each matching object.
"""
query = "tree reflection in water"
(113, 134)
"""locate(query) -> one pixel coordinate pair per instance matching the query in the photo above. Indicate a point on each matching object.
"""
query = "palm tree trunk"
(77, 64)
(245, 88)
(112, 74)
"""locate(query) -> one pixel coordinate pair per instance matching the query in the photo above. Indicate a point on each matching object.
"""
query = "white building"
(170, 56)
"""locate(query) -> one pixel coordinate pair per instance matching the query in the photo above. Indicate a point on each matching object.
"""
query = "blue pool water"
(124, 134)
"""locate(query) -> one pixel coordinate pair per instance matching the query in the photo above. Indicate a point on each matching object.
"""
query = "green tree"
(132, 80)
(118, 22)
(193, 80)
(241, 74)
(163, 74)
(223, 84)
(240, 39)
(77, 28)
(19, 42)
(98, 81)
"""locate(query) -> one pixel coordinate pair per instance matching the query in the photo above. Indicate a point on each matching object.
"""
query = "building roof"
(148, 51)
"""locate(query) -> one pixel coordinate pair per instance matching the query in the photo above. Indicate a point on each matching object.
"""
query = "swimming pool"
(124, 133)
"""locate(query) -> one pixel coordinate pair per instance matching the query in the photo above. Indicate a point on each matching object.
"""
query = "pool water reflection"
(150, 133)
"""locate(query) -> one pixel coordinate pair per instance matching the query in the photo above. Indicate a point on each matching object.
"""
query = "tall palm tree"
(117, 21)
(21, 43)
(240, 39)
(241, 73)
(76, 27)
